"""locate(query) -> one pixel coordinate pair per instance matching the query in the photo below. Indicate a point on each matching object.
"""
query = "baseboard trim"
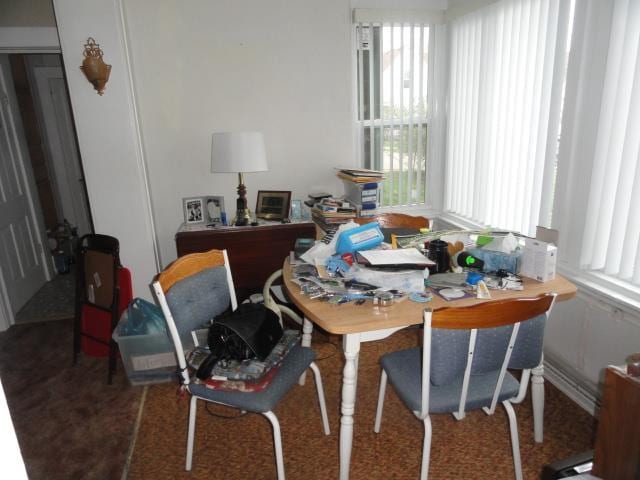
(564, 379)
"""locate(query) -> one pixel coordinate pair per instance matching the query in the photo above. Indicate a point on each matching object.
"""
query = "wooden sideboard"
(254, 252)
(617, 450)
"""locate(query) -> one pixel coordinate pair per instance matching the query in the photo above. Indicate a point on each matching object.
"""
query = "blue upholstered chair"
(191, 291)
(463, 363)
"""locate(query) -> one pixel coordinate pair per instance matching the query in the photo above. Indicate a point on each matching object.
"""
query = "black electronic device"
(250, 331)
(302, 245)
(439, 254)
(571, 467)
(465, 259)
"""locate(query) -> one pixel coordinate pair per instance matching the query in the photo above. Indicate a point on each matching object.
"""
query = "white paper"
(395, 257)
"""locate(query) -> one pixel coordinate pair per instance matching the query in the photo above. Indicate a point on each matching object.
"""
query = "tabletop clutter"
(356, 264)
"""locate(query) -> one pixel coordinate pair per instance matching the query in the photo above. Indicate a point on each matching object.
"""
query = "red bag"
(97, 322)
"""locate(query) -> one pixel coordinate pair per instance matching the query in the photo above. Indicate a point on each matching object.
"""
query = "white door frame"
(14, 129)
(26, 40)
(57, 126)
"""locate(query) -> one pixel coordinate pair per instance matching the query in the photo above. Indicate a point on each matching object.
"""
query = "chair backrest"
(191, 291)
(486, 337)
(98, 261)
(395, 220)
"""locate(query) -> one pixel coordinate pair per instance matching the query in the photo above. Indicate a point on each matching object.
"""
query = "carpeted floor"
(54, 301)
(241, 448)
(70, 424)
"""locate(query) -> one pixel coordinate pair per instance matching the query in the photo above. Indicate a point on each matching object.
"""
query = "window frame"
(436, 94)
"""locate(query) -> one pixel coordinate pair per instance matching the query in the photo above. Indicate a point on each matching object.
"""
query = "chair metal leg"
(426, 448)
(515, 442)
(277, 443)
(320, 390)
(381, 393)
(191, 432)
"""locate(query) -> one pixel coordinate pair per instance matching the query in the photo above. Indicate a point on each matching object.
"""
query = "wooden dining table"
(368, 322)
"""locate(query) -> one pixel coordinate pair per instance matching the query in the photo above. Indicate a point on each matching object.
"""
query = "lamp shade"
(238, 152)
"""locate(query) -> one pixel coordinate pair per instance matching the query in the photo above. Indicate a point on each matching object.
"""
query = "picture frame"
(273, 205)
(296, 210)
(214, 212)
(193, 210)
(207, 210)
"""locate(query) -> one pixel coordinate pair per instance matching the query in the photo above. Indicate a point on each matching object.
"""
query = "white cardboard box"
(539, 260)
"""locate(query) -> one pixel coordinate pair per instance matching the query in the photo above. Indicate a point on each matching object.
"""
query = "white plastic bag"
(318, 254)
(405, 280)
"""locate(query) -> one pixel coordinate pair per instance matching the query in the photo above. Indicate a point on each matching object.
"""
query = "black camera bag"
(251, 331)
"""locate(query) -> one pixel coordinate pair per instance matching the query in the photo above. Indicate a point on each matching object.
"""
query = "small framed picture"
(193, 210)
(273, 205)
(214, 210)
(296, 210)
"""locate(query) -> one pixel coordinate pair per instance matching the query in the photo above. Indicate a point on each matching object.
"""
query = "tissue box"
(539, 260)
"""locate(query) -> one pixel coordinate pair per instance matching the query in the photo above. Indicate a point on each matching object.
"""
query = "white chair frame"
(423, 414)
(279, 309)
(182, 363)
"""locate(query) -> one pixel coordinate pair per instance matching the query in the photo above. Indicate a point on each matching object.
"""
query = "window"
(392, 62)
(599, 166)
(506, 77)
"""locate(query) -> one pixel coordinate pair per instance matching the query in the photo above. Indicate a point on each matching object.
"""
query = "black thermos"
(439, 254)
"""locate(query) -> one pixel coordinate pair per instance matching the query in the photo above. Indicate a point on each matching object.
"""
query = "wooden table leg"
(537, 399)
(351, 346)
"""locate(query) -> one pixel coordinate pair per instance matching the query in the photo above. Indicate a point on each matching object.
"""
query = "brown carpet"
(241, 448)
(70, 424)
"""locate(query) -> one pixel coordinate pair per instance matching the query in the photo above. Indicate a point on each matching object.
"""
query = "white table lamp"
(238, 152)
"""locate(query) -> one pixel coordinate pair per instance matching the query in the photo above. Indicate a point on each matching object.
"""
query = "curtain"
(612, 228)
(506, 77)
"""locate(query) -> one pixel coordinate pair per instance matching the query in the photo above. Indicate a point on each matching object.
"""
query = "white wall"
(108, 135)
(275, 66)
(10, 455)
(196, 67)
(583, 337)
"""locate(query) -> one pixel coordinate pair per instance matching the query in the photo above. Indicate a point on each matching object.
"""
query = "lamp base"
(243, 217)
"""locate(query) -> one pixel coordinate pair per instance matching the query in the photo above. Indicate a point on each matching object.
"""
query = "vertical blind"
(506, 68)
(392, 75)
(612, 230)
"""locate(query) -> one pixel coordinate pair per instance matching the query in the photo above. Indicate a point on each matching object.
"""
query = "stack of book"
(363, 189)
(329, 213)
(315, 198)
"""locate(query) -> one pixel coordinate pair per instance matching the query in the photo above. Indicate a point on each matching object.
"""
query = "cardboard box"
(539, 260)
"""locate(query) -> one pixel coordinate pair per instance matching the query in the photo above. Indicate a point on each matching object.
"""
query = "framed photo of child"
(193, 210)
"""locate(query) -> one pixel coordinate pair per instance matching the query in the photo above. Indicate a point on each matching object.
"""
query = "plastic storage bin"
(148, 358)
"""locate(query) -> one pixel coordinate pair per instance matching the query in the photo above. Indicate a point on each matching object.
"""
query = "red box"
(97, 322)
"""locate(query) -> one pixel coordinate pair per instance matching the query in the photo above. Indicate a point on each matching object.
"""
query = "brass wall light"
(96, 71)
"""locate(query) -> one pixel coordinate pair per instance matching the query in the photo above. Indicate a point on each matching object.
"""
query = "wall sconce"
(96, 71)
